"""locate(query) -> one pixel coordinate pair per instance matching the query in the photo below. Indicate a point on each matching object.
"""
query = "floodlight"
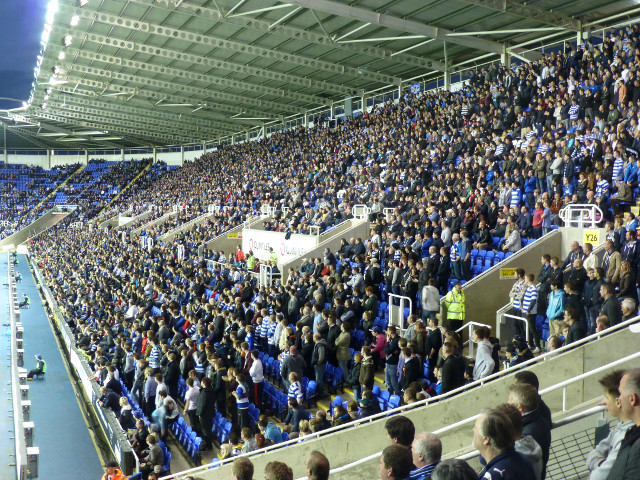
(66, 41)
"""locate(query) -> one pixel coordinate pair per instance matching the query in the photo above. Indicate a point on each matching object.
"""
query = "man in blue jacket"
(493, 437)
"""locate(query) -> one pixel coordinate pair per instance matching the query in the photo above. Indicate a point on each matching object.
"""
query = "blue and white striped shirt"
(530, 296)
(295, 391)
(154, 357)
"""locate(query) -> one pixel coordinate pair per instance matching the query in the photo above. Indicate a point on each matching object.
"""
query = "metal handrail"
(473, 418)
(422, 403)
(400, 308)
(522, 319)
(470, 326)
(20, 443)
(588, 215)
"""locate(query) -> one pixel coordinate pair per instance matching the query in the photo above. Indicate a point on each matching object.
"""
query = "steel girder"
(222, 82)
(200, 60)
(529, 12)
(79, 97)
(121, 127)
(231, 45)
(299, 34)
(213, 96)
(153, 95)
(143, 120)
(401, 24)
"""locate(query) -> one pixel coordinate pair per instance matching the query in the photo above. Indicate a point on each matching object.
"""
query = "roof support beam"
(397, 23)
(79, 96)
(529, 12)
(231, 45)
(298, 34)
(155, 69)
(210, 96)
(200, 60)
(121, 127)
(99, 113)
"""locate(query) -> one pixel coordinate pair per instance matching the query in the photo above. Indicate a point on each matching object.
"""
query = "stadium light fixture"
(74, 21)
(61, 55)
(82, 3)
(67, 40)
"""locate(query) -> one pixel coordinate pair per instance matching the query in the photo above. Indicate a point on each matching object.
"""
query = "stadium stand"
(206, 352)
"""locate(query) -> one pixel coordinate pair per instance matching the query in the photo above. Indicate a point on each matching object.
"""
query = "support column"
(447, 71)
(363, 102)
(332, 110)
(306, 119)
(247, 136)
(86, 157)
(6, 155)
(204, 147)
(580, 35)
(48, 167)
(505, 58)
(122, 153)
(181, 155)
(155, 155)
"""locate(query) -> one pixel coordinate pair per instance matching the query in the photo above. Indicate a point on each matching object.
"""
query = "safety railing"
(21, 464)
(472, 419)
(361, 212)
(469, 326)
(581, 215)
(396, 312)
(422, 403)
(520, 319)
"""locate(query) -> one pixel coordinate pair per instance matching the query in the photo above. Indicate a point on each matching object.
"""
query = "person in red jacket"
(377, 347)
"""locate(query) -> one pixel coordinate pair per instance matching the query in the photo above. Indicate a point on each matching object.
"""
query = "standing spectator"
(600, 460)
(530, 310)
(493, 437)
(242, 401)
(342, 350)
(610, 306)
(319, 361)
(278, 471)
(205, 412)
(452, 368)
(392, 355)
(525, 445)
(484, 360)
(430, 300)
(257, 378)
(627, 464)
(191, 404)
(526, 399)
(242, 468)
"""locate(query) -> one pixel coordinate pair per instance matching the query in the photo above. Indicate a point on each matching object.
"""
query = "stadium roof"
(124, 73)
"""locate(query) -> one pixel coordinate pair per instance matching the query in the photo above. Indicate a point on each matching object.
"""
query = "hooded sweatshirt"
(529, 449)
(484, 360)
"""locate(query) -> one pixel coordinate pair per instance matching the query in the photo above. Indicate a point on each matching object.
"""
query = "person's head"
(611, 384)
(629, 398)
(242, 468)
(317, 466)
(395, 462)
(453, 469)
(481, 333)
(514, 416)
(111, 467)
(426, 449)
(554, 342)
(524, 397)
(492, 434)
(400, 430)
(527, 377)
(278, 471)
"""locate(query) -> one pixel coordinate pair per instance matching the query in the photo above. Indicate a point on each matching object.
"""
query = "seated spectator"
(395, 463)
(426, 451)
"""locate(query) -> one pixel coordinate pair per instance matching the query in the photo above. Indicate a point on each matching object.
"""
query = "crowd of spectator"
(22, 188)
(498, 159)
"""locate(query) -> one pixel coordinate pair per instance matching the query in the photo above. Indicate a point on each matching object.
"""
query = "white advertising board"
(259, 241)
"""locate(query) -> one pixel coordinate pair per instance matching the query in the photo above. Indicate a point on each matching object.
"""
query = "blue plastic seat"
(394, 402)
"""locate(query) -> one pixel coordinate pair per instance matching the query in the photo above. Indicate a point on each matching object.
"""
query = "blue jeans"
(391, 379)
(319, 371)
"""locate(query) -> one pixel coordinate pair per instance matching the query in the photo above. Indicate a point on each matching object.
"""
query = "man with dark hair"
(529, 378)
(454, 469)
(493, 438)
(400, 430)
(611, 306)
(317, 466)
(426, 451)
(526, 399)
(395, 463)
(525, 445)
(627, 464)
(601, 459)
